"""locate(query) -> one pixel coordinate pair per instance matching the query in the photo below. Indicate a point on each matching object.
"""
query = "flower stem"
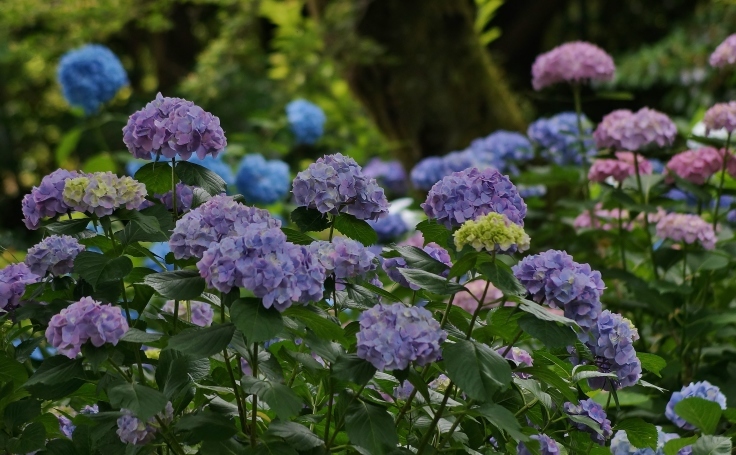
(254, 408)
(645, 198)
(581, 142)
(341, 420)
(726, 155)
(621, 231)
(330, 401)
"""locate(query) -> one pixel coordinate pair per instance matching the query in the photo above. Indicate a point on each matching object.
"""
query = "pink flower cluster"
(602, 219)
(725, 53)
(626, 130)
(721, 116)
(695, 166)
(619, 168)
(573, 62)
(682, 227)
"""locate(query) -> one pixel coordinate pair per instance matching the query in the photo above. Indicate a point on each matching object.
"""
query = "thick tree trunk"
(434, 88)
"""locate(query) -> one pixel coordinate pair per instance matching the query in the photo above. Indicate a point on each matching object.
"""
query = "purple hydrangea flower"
(261, 181)
(389, 228)
(184, 198)
(557, 137)
(393, 336)
(702, 389)
(520, 357)
(46, 200)
(635, 131)
(344, 257)
(174, 128)
(504, 150)
(217, 218)
(575, 62)
(721, 116)
(54, 254)
(335, 183)
(552, 277)
(245, 367)
(66, 426)
(547, 446)
(13, 281)
(591, 409)
(611, 342)
(306, 120)
(389, 174)
(201, 312)
(82, 321)
(725, 53)
(403, 390)
(132, 430)
(683, 227)
(392, 265)
(471, 193)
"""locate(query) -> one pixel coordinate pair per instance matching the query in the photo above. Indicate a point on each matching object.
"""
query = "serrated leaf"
(502, 419)
(641, 434)
(355, 229)
(134, 335)
(416, 258)
(712, 445)
(177, 285)
(255, 321)
(553, 379)
(370, 427)
(432, 231)
(156, 176)
(651, 362)
(206, 426)
(197, 175)
(542, 313)
(33, 438)
(67, 227)
(548, 332)
(143, 401)
(431, 282)
(702, 413)
(55, 370)
(309, 219)
(319, 323)
(376, 290)
(203, 342)
(502, 277)
(97, 268)
(280, 398)
(348, 367)
(296, 435)
(477, 369)
(294, 236)
(673, 446)
(11, 370)
(463, 265)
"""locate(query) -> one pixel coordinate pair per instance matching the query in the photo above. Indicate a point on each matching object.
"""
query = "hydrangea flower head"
(470, 194)
(393, 336)
(344, 257)
(66, 426)
(101, 193)
(307, 121)
(591, 409)
(392, 265)
(261, 181)
(702, 389)
(611, 342)
(520, 357)
(202, 313)
(721, 116)
(725, 53)
(574, 62)
(530, 191)
(132, 430)
(184, 198)
(46, 200)
(695, 166)
(440, 384)
(174, 128)
(334, 184)
(82, 321)
(427, 172)
(504, 150)
(620, 444)
(468, 300)
(547, 446)
(494, 233)
(90, 76)
(635, 131)
(618, 169)
(13, 281)
(389, 174)
(403, 390)
(557, 137)
(389, 228)
(54, 254)
(603, 219)
(687, 228)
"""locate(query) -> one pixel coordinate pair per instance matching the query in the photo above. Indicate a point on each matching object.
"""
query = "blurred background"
(404, 79)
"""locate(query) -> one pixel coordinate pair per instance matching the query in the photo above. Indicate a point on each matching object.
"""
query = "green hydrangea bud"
(494, 233)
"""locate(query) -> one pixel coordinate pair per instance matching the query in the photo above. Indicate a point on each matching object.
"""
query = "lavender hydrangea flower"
(54, 254)
(90, 76)
(635, 131)
(174, 128)
(13, 281)
(611, 342)
(695, 166)
(66, 426)
(334, 184)
(702, 389)
(392, 265)
(504, 149)
(574, 62)
(520, 357)
(132, 430)
(389, 228)
(470, 194)
(725, 53)
(306, 120)
(552, 277)
(428, 171)
(683, 227)
(393, 336)
(46, 200)
(557, 137)
(547, 446)
(202, 312)
(217, 218)
(184, 198)
(721, 116)
(591, 409)
(245, 367)
(344, 257)
(82, 321)
(261, 181)
(403, 390)
(389, 174)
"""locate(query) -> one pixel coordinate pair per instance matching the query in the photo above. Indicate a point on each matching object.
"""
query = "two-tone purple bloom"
(393, 336)
(82, 321)
(184, 198)
(611, 342)
(575, 62)
(54, 254)
(132, 430)
(702, 389)
(46, 199)
(547, 446)
(13, 281)
(101, 193)
(635, 131)
(389, 174)
(345, 258)
(174, 128)
(392, 265)
(591, 409)
(335, 184)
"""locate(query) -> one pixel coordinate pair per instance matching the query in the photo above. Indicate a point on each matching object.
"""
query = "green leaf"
(309, 219)
(502, 419)
(206, 426)
(196, 175)
(376, 290)
(370, 427)
(712, 445)
(56, 369)
(549, 333)
(477, 369)
(355, 229)
(147, 223)
(294, 236)
(33, 438)
(417, 258)
(280, 398)
(463, 265)
(502, 277)
(134, 335)
(296, 435)
(97, 268)
(19, 412)
(673, 446)
(177, 370)
(143, 401)
(177, 285)
(100, 162)
(11, 370)
(542, 313)
(67, 145)
(156, 176)
(203, 342)
(257, 322)
(351, 368)
(67, 227)
(320, 323)
(587, 421)
(432, 231)
(641, 434)
(651, 362)
(702, 413)
(553, 379)
(431, 282)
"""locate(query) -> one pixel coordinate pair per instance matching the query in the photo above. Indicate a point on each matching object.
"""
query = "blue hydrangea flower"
(547, 446)
(261, 181)
(591, 409)
(393, 336)
(389, 174)
(13, 281)
(504, 149)
(392, 265)
(66, 426)
(90, 76)
(427, 172)
(557, 136)
(307, 121)
(216, 165)
(389, 228)
(403, 390)
(702, 389)
(531, 191)
(53, 254)
(334, 184)
(611, 342)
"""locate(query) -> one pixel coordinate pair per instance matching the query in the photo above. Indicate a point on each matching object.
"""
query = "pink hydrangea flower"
(619, 168)
(602, 219)
(683, 227)
(573, 62)
(721, 116)
(626, 130)
(695, 166)
(725, 53)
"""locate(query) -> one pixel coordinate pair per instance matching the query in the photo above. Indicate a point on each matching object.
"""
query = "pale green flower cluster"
(494, 233)
(103, 192)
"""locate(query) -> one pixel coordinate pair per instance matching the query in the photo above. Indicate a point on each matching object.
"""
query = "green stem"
(341, 420)
(238, 400)
(170, 440)
(329, 406)
(510, 345)
(477, 311)
(435, 420)
(726, 155)
(526, 407)
(254, 409)
(581, 142)
(622, 231)
(645, 198)
(454, 426)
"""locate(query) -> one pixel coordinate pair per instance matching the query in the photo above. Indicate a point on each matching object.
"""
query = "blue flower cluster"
(469, 194)
(393, 336)
(389, 174)
(504, 149)
(389, 228)
(262, 181)
(392, 265)
(557, 136)
(307, 121)
(54, 254)
(547, 446)
(531, 191)
(90, 76)
(611, 342)
(702, 389)
(344, 257)
(594, 411)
